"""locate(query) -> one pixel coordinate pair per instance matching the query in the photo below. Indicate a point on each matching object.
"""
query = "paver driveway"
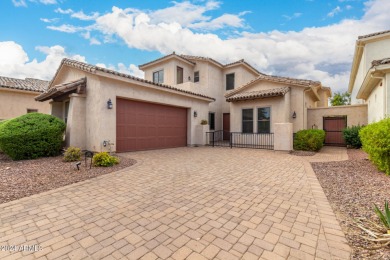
(194, 203)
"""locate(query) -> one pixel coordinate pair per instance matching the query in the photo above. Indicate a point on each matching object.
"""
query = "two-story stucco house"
(17, 97)
(166, 107)
(370, 75)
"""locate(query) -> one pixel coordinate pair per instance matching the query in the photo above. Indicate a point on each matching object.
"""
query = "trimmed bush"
(351, 136)
(104, 159)
(375, 139)
(72, 154)
(32, 136)
(309, 140)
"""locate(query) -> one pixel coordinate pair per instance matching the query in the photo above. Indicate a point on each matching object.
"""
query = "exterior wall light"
(189, 78)
(294, 115)
(195, 114)
(109, 104)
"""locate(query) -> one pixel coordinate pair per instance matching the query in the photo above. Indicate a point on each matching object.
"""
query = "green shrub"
(375, 139)
(351, 136)
(104, 159)
(309, 140)
(72, 154)
(32, 136)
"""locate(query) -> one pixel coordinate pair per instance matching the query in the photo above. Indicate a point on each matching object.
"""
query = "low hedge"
(351, 136)
(375, 139)
(32, 136)
(309, 140)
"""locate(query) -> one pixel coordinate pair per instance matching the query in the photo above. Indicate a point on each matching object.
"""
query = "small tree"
(341, 99)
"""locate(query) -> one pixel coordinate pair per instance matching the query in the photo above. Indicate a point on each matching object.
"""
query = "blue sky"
(312, 39)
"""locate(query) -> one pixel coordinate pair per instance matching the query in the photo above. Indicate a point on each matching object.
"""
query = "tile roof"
(164, 57)
(380, 62)
(373, 34)
(276, 79)
(190, 57)
(242, 61)
(28, 84)
(275, 92)
(93, 69)
(76, 86)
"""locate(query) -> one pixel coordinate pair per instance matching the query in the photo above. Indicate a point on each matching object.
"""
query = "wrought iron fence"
(242, 140)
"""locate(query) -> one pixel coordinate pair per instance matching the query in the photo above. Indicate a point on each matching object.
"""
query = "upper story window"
(247, 120)
(158, 76)
(230, 81)
(179, 75)
(264, 120)
(196, 76)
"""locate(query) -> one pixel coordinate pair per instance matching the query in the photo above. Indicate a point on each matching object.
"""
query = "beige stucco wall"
(375, 102)
(14, 103)
(276, 104)
(356, 115)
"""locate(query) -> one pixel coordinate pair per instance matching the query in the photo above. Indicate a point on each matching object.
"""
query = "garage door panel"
(144, 126)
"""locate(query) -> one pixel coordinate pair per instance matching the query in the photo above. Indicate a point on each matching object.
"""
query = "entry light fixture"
(294, 115)
(109, 104)
(189, 78)
(195, 114)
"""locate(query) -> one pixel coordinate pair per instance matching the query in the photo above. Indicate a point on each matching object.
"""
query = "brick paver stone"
(184, 203)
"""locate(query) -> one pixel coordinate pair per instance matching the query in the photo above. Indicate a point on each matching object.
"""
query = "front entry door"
(226, 126)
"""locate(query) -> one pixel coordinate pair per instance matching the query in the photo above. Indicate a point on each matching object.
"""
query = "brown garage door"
(146, 126)
(333, 127)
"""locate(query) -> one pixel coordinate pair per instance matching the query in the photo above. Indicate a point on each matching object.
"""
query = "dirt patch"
(20, 179)
(352, 187)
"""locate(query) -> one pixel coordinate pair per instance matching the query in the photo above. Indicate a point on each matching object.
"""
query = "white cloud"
(67, 28)
(15, 62)
(130, 70)
(226, 20)
(22, 3)
(19, 3)
(62, 11)
(82, 16)
(294, 16)
(94, 41)
(349, 7)
(335, 11)
(47, 20)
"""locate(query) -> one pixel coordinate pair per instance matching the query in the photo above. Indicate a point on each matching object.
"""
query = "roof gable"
(166, 58)
(275, 79)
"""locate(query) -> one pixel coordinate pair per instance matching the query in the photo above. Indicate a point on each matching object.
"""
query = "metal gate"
(333, 127)
(242, 140)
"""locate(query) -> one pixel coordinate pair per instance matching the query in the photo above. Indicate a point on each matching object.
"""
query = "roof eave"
(373, 77)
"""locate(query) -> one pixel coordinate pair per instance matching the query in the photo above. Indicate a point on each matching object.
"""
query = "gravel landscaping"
(20, 179)
(352, 187)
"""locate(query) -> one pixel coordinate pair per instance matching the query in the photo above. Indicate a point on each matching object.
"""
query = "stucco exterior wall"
(14, 103)
(356, 115)
(375, 51)
(375, 102)
(276, 104)
(361, 73)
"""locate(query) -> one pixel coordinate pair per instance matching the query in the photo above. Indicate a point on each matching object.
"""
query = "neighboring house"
(369, 82)
(164, 110)
(17, 97)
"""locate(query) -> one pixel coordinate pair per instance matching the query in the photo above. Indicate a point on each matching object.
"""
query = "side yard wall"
(356, 115)
(15, 103)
